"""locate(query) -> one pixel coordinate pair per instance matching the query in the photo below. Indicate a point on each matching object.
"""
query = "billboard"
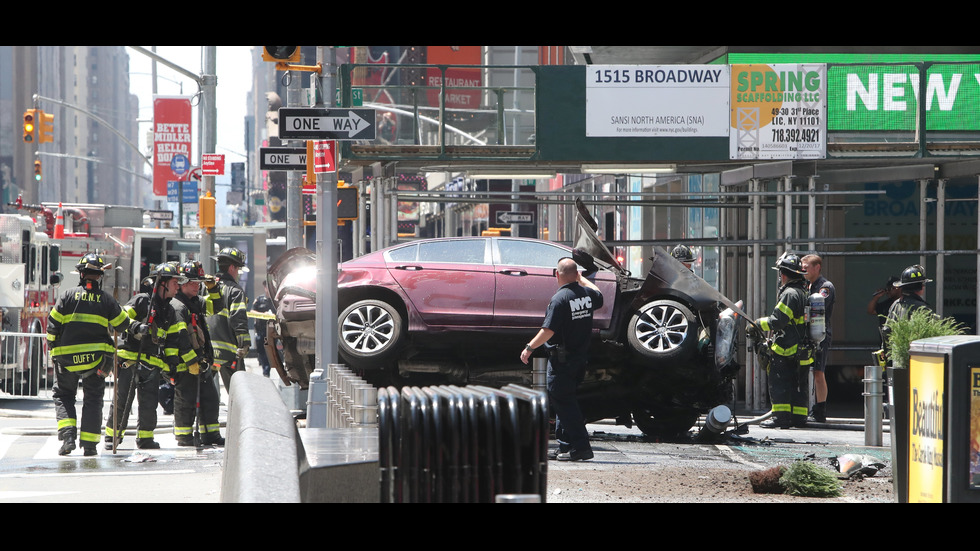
(171, 136)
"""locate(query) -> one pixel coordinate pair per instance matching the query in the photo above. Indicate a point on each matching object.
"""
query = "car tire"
(665, 425)
(370, 333)
(663, 330)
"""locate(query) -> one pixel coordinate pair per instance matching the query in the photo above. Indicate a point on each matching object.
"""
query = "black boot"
(90, 450)
(147, 444)
(213, 438)
(819, 412)
(67, 437)
(185, 440)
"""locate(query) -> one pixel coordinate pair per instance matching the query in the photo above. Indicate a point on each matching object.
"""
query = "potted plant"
(920, 324)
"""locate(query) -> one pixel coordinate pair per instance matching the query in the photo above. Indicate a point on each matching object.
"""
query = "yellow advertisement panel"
(974, 428)
(926, 414)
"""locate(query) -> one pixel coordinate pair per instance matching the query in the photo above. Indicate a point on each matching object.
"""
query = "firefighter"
(912, 284)
(82, 351)
(227, 308)
(195, 393)
(683, 254)
(789, 362)
(151, 346)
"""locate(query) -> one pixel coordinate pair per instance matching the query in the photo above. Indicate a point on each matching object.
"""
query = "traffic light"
(45, 127)
(346, 203)
(37, 170)
(29, 120)
(283, 54)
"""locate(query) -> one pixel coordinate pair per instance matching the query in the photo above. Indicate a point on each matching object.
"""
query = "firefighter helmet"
(231, 255)
(683, 253)
(92, 262)
(192, 271)
(167, 270)
(913, 274)
(790, 262)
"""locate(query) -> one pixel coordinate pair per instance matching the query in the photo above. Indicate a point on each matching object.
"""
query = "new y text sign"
(326, 124)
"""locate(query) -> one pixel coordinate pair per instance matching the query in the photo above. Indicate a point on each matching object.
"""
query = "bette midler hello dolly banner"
(171, 136)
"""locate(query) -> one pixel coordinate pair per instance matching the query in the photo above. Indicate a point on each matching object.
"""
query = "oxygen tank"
(817, 318)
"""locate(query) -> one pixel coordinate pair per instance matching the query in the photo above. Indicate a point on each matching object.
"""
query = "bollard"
(872, 405)
(718, 419)
(517, 498)
(539, 373)
(317, 400)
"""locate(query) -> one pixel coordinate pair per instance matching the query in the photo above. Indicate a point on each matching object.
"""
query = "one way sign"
(515, 217)
(297, 123)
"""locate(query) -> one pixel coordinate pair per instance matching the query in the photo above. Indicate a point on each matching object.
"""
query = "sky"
(234, 80)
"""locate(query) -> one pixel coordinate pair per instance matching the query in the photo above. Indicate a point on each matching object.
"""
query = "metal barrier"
(351, 401)
(25, 368)
(450, 444)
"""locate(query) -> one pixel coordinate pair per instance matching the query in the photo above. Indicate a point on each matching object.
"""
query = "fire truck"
(29, 277)
(41, 246)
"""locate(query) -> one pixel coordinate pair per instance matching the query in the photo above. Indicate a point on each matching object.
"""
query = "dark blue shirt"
(569, 315)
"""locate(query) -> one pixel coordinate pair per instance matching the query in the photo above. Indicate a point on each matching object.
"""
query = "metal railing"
(473, 444)
(25, 367)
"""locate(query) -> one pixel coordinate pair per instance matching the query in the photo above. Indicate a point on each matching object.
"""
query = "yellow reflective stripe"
(84, 318)
(65, 423)
(88, 437)
(130, 311)
(222, 345)
(183, 431)
(783, 351)
(87, 347)
(799, 410)
(262, 315)
(51, 338)
(145, 434)
(84, 367)
(782, 408)
(111, 433)
(130, 355)
(807, 361)
(116, 321)
(57, 316)
(784, 308)
(764, 324)
(212, 428)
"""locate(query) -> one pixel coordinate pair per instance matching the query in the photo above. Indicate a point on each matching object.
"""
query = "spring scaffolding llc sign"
(778, 111)
(627, 101)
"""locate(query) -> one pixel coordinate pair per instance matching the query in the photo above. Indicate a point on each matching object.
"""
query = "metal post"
(209, 139)
(294, 192)
(940, 242)
(872, 405)
(326, 234)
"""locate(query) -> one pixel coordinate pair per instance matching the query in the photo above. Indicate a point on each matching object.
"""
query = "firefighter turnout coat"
(227, 309)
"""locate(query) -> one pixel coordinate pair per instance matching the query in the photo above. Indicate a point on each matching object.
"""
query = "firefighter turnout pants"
(788, 390)
(185, 404)
(146, 389)
(64, 392)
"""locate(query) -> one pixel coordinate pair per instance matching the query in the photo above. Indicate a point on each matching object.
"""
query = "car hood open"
(665, 272)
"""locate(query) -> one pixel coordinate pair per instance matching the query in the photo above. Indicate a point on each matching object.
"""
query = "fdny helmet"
(192, 271)
(790, 262)
(92, 262)
(913, 274)
(682, 253)
(231, 255)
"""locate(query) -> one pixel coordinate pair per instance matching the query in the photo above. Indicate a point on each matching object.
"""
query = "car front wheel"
(663, 330)
(370, 333)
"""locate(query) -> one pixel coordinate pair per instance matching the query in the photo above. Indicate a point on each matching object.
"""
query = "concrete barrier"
(262, 446)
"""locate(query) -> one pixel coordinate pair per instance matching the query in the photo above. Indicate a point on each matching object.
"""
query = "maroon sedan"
(459, 310)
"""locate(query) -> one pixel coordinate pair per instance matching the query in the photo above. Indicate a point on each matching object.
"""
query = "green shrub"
(921, 324)
(805, 479)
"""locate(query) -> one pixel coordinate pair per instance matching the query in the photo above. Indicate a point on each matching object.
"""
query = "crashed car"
(458, 310)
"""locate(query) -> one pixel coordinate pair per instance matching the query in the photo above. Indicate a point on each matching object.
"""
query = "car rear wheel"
(370, 333)
(663, 330)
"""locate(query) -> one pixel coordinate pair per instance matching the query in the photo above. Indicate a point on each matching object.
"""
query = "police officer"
(150, 346)
(568, 325)
(813, 265)
(193, 377)
(82, 349)
(789, 365)
(684, 254)
(228, 315)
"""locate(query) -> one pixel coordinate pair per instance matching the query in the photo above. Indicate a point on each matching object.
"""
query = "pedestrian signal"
(284, 54)
(346, 203)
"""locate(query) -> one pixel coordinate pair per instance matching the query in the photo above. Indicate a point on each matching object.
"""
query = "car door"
(525, 283)
(450, 282)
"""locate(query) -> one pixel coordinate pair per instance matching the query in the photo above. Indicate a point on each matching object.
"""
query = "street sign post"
(513, 217)
(282, 158)
(302, 123)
